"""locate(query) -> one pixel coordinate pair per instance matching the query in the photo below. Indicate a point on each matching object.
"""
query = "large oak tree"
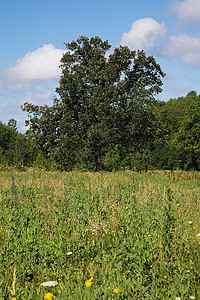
(103, 106)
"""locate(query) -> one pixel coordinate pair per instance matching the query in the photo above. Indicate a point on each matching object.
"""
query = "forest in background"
(107, 117)
(176, 145)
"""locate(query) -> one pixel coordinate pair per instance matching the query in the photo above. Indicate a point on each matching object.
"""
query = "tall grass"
(134, 234)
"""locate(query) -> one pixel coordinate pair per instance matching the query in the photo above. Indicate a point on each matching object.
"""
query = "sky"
(33, 33)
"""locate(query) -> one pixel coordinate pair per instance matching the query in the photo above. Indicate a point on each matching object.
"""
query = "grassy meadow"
(119, 235)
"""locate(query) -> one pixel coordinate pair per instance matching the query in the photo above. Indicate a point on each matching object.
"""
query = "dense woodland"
(107, 117)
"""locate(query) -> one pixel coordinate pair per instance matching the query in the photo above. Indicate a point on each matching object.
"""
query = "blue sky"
(33, 33)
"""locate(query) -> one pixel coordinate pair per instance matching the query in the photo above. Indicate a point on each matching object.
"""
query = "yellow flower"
(13, 298)
(127, 207)
(178, 204)
(48, 296)
(34, 187)
(48, 197)
(116, 291)
(89, 282)
(69, 220)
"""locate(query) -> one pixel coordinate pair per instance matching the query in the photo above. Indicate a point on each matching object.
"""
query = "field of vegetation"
(119, 235)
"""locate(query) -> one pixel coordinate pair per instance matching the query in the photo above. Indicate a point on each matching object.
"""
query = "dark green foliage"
(7, 141)
(179, 144)
(186, 141)
(15, 148)
(104, 110)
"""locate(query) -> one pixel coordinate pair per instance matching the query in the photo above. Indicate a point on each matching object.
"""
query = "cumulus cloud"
(143, 34)
(188, 12)
(41, 64)
(186, 46)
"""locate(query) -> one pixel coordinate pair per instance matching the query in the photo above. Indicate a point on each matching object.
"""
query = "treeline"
(15, 148)
(179, 147)
(107, 117)
(174, 142)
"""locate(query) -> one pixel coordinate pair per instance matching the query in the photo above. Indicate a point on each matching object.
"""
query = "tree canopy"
(105, 109)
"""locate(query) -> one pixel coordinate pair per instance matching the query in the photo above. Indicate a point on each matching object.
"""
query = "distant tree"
(15, 147)
(8, 134)
(170, 117)
(25, 152)
(103, 106)
(174, 110)
(185, 145)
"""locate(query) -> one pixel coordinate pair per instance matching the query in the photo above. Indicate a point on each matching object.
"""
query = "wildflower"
(49, 283)
(177, 298)
(132, 195)
(116, 291)
(9, 220)
(69, 220)
(69, 253)
(89, 282)
(192, 297)
(198, 234)
(48, 197)
(13, 298)
(126, 207)
(178, 204)
(48, 296)
(190, 222)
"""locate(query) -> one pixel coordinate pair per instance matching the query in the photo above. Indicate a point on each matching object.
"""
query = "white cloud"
(186, 46)
(143, 34)
(33, 79)
(41, 64)
(39, 98)
(188, 12)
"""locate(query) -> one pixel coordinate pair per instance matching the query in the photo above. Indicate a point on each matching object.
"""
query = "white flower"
(198, 234)
(49, 283)
(69, 253)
